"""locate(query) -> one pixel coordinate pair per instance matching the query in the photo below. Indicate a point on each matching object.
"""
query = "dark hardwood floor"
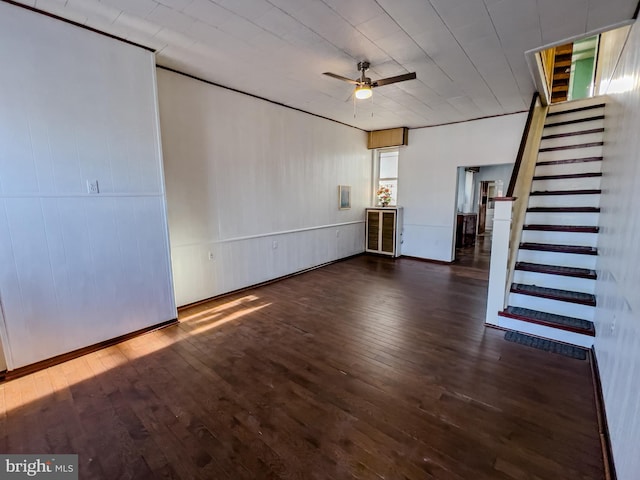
(367, 368)
(476, 258)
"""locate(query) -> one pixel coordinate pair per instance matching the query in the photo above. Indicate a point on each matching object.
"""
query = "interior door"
(482, 207)
(3, 365)
(3, 362)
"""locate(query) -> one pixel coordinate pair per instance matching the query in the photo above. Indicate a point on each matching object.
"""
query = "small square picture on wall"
(344, 197)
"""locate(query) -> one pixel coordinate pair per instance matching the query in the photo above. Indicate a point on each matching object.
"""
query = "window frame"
(376, 174)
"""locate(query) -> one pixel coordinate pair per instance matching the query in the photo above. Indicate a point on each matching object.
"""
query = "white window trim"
(376, 173)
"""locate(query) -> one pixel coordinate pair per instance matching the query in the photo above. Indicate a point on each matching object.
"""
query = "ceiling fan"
(364, 83)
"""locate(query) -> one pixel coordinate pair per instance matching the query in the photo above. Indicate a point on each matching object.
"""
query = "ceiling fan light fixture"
(363, 92)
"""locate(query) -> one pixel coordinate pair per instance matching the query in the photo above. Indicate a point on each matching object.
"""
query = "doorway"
(3, 363)
(477, 188)
(486, 204)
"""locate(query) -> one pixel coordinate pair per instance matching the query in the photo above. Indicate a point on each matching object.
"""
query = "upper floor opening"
(577, 69)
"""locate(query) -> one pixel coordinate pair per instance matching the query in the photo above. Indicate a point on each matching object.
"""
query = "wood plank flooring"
(368, 368)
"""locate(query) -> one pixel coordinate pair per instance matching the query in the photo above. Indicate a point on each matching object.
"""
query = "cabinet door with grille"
(373, 230)
(382, 231)
(388, 232)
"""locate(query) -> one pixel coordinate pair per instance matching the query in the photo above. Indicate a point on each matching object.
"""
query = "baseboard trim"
(50, 362)
(267, 282)
(603, 425)
(428, 260)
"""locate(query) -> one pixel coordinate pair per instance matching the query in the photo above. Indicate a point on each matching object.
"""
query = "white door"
(3, 362)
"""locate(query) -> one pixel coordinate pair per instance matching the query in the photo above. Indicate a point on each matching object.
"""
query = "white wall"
(428, 173)
(617, 343)
(77, 269)
(245, 175)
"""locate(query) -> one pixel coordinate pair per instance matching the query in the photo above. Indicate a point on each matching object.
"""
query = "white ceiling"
(468, 54)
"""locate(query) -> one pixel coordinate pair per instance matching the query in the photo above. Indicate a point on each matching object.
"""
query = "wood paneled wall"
(77, 268)
(617, 318)
(252, 188)
(428, 174)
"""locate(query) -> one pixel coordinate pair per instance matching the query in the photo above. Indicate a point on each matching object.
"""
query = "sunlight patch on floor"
(220, 308)
(214, 322)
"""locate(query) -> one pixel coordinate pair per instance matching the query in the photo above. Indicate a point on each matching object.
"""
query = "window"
(387, 169)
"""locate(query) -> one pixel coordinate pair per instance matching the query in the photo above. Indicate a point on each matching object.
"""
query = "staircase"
(552, 294)
(561, 72)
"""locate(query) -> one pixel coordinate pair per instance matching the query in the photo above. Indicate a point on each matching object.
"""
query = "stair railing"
(510, 213)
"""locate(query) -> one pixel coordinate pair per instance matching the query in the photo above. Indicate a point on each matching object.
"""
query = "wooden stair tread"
(571, 147)
(565, 49)
(554, 294)
(562, 63)
(570, 122)
(573, 134)
(568, 176)
(570, 160)
(549, 247)
(557, 270)
(563, 322)
(564, 209)
(592, 191)
(562, 228)
(579, 109)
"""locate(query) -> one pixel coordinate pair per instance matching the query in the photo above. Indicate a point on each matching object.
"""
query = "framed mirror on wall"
(344, 197)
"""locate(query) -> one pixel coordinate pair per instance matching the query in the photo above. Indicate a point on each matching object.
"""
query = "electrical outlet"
(211, 256)
(92, 186)
(274, 245)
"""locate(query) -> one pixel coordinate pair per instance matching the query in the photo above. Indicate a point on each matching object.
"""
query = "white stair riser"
(591, 200)
(573, 284)
(583, 102)
(566, 117)
(572, 127)
(560, 238)
(572, 140)
(556, 258)
(573, 338)
(566, 184)
(569, 168)
(568, 309)
(570, 153)
(553, 218)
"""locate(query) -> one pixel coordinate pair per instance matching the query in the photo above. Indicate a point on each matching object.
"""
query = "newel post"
(499, 258)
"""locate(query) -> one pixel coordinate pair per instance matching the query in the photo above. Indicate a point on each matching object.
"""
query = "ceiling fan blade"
(340, 77)
(396, 79)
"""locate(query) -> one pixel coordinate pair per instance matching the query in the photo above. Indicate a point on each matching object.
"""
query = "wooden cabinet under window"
(384, 231)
